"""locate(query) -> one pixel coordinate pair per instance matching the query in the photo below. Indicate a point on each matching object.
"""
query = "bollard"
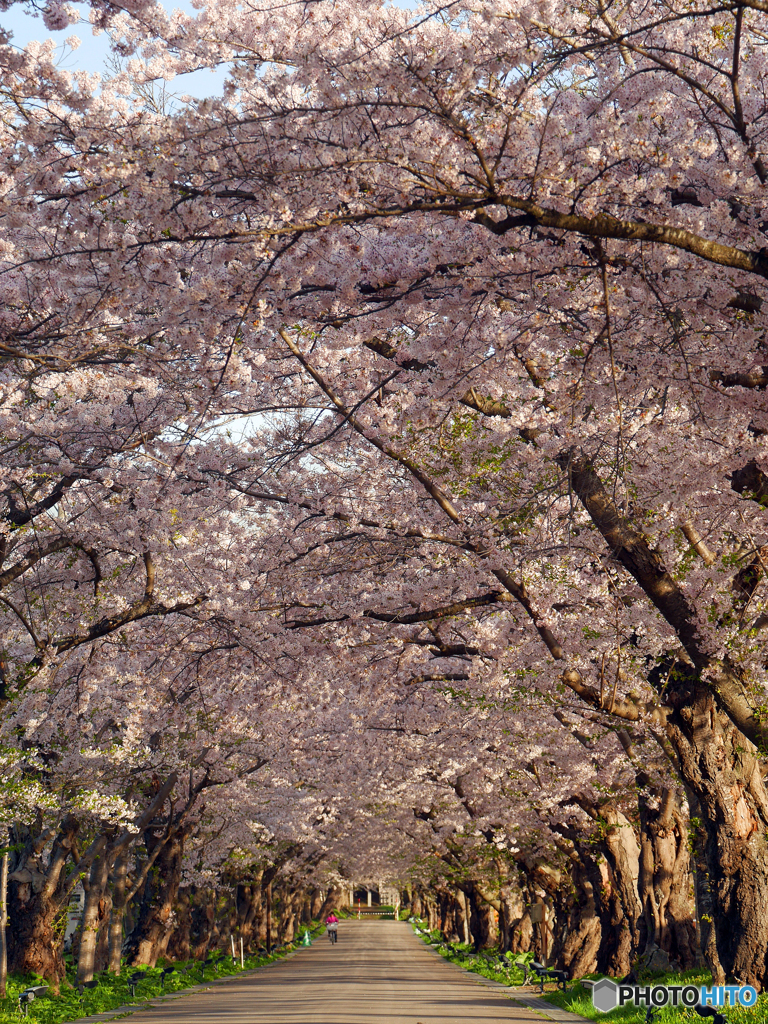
(306, 939)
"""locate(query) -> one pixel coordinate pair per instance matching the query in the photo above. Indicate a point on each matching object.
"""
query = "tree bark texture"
(152, 930)
(37, 891)
(578, 908)
(722, 768)
(712, 721)
(117, 916)
(665, 880)
(92, 918)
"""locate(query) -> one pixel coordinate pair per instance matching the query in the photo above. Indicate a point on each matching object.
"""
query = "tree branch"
(34, 556)
(604, 225)
(630, 548)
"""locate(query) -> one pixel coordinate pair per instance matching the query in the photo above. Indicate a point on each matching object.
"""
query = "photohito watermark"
(607, 995)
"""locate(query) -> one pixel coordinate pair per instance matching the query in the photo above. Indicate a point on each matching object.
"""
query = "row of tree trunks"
(135, 908)
(206, 919)
(44, 867)
(625, 893)
(620, 899)
(132, 884)
(465, 914)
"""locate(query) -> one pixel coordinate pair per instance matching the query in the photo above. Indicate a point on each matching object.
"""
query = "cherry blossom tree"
(489, 284)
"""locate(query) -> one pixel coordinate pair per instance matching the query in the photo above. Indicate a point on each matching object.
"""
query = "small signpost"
(538, 913)
(74, 914)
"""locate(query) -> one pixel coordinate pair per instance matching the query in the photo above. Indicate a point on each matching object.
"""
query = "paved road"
(377, 973)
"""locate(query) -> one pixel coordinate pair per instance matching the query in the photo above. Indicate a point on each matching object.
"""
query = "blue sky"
(94, 50)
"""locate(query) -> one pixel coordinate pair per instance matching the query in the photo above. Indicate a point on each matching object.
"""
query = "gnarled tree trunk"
(487, 908)
(665, 882)
(37, 891)
(721, 767)
(621, 911)
(579, 906)
(152, 930)
(247, 897)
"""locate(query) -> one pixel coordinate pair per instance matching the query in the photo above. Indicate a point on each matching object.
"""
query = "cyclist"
(332, 924)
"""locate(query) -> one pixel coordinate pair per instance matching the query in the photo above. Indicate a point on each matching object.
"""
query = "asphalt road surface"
(377, 973)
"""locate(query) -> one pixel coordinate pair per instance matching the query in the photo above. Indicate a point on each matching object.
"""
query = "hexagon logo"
(605, 995)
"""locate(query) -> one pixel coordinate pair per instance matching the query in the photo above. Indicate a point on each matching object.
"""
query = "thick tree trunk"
(448, 916)
(477, 934)
(101, 958)
(202, 923)
(665, 883)
(179, 944)
(614, 879)
(250, 925)
(36, 894)
(486, 908)
(433, 919)
(32, 945)
(522, 935)
(623, 896)
(260, 924)
(335, 899)
(288, 916)
(417, 905)
(152, 931)
(462, 918)
(583, 933)
(705, 903)
(89, 928)
(316, 904)
(117, 916)
(721, 767)
(305, 917)
(510, 916)
(246, 906)
(214, 939)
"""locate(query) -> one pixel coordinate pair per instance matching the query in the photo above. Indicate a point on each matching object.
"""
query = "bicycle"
(333, 933)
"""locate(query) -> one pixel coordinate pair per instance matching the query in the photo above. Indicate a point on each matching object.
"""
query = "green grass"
(113, 991)
(478, 963)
